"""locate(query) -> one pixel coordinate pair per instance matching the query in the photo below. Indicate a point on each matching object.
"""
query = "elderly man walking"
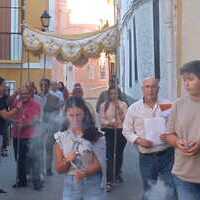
(26, 140)
(155, 156)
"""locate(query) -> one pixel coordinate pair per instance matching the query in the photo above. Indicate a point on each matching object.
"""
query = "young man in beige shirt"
(184, 135)
(155, 161)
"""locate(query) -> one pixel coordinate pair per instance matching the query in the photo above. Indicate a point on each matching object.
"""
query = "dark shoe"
(38, 187)
(19, 185)
(28, 178)
(2, 191)
(119, 179)
(108, 187)
(4, 154)
(49, 172)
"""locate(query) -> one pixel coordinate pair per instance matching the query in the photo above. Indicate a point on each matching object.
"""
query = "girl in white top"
(80, 154)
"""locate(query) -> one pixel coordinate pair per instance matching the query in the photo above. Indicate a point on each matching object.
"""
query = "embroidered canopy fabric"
(76, 48)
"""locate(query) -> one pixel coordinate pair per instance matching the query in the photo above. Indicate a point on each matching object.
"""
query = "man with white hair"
(155, 157)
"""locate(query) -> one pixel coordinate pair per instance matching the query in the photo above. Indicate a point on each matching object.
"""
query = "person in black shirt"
(4, 114)
(5, 102)
(3, 106)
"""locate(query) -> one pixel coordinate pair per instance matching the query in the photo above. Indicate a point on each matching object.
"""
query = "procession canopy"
(72, 48)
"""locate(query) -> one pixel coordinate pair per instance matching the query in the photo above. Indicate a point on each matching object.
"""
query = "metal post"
(28, 62)
(115, 154)
(115, 142)
(21, 81)
(116, 87)
(45, 56)
(45, 60)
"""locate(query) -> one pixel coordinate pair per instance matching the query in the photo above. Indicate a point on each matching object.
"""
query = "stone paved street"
(129, 190)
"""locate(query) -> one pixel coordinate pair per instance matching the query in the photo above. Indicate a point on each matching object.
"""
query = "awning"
(75, 48)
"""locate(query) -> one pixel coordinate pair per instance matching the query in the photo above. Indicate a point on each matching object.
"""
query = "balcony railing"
(10, 31)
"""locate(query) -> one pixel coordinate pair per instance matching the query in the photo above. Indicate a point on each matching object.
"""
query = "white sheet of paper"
(154, 127)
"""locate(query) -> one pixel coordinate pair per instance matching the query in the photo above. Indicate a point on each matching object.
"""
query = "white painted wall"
(145, 51)
(168, 74)
(124, 6)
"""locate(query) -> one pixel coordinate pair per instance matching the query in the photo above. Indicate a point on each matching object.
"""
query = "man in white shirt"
(155, 158)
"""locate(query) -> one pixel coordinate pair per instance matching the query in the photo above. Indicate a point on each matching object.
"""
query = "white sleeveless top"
(69, 142)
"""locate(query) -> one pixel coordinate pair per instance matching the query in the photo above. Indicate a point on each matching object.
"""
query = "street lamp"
(45, 20)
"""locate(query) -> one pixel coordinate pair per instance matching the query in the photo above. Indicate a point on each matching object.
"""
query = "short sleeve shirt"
(69, 142)
(185, 122)
(3, 106)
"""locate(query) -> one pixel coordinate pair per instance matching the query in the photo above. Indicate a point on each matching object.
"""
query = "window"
(156, 28)
(135, 50)
(103, 71)
(130, 57)
(10, 30)
(11, 86)
(103, 64)
(91, 71)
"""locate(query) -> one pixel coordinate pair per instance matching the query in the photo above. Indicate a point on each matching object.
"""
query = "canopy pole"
(45, 60)
(28, 61)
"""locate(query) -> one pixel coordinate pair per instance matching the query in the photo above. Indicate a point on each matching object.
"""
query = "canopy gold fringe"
(71, 48)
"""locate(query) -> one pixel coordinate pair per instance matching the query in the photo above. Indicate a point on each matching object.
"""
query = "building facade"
(16, 64)
(94, 75)
(187, 34)
(157, 38)
(147, 47)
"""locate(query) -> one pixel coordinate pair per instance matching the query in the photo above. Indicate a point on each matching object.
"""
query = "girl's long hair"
(90, 132)
(107, 103)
